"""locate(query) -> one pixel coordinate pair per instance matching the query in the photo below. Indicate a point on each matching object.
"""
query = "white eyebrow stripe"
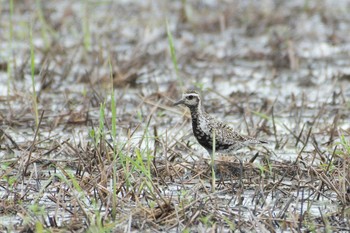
(193, 94)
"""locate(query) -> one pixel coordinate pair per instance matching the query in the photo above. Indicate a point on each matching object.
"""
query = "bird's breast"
(202, 132)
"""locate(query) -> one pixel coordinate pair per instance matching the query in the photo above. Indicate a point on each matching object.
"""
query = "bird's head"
(190, 99)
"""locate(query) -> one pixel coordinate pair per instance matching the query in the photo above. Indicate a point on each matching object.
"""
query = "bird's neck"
(196, 112)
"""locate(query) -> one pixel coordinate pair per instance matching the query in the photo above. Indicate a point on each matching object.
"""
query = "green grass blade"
(115, 149)
(32, 69)
(173, 53)
(86, 26)
(213, 165)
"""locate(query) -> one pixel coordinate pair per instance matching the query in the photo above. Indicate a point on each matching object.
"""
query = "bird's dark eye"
(190, 97)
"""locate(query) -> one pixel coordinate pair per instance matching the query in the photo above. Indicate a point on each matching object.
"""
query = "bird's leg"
(240, 182)
(240, 190)
(240, 173)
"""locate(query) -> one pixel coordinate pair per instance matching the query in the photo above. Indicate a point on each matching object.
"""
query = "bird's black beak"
(178, 102)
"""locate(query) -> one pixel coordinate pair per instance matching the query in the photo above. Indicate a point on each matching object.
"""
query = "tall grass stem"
(213, 165)
(115, 146)
(32, 69)
(173, 54)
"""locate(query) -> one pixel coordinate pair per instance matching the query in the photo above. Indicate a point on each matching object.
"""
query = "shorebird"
(204, 126)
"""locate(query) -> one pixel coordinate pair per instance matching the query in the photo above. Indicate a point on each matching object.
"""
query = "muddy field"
(90, 140)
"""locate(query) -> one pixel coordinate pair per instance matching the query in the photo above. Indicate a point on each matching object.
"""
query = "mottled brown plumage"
(227, 140)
